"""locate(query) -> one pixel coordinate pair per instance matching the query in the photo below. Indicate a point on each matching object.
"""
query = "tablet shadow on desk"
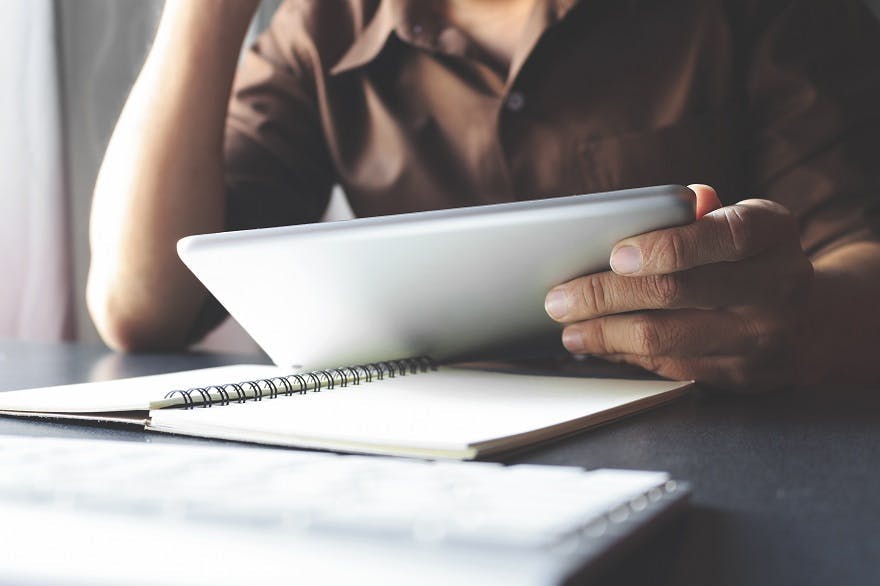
(120, 365)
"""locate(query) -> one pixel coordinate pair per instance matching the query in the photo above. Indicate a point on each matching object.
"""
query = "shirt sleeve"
(813, 87)
(277, 168)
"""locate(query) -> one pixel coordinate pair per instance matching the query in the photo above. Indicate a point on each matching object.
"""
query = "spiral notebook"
(403, 407)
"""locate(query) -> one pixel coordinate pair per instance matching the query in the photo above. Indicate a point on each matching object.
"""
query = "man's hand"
(722, 300)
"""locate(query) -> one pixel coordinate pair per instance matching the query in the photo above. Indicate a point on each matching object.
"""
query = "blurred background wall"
(66, 69)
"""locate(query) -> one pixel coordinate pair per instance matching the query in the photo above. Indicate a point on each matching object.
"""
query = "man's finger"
(707, 199)
(687, 333)
(768, 279)
(727, 373)
(727, 234)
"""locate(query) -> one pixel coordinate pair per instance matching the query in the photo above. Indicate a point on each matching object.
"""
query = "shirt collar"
(420, 23)
(370, 41)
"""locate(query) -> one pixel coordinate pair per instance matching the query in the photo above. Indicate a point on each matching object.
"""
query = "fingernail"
(556, 304)
(572, 341)
(626, 259)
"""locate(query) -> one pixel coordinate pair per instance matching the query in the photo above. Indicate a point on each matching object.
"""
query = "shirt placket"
(420, 27)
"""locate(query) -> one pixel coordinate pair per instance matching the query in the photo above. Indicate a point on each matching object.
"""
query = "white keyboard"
(319, 495)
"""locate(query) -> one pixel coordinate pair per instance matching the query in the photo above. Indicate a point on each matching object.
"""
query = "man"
(414, 105)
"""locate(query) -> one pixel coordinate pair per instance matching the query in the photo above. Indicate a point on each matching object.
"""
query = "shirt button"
(417, 29)
(516, 101)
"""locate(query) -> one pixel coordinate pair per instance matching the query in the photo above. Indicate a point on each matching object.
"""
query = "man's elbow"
(124, 328)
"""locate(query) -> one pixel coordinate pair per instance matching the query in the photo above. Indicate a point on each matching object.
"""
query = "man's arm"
(163, 177)
(845, 316)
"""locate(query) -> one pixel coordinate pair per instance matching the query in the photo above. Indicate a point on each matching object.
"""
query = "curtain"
(35, 279)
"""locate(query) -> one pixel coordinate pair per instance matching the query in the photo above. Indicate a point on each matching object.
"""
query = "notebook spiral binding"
(315, 382)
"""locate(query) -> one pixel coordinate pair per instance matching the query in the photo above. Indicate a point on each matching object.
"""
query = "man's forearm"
(162, 176)
(843, 334)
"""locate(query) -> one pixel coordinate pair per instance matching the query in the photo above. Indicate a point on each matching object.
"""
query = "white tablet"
(455, 284)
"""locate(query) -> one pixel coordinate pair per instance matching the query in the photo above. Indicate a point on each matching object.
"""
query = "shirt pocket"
(702, 148)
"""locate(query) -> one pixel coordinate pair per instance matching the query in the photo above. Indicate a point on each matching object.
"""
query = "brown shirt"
(770, 98)
(759, 98)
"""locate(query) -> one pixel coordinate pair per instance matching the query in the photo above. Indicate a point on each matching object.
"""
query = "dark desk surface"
(786, 486)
